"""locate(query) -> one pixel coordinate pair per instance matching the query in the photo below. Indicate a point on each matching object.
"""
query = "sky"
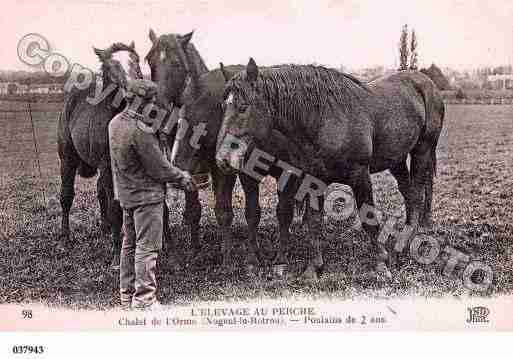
(355, 34)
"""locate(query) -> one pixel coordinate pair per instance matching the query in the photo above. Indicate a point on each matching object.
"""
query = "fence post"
(36, 148)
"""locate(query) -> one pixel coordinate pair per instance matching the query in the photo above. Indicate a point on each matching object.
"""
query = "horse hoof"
(392, 261)
(64, 237)
(383, 271)
(427, 223)
(227, 267)
(252, 270)
(309, 274)
(279, 270)
(114, 265)
(65, 241)
(173, 263)
(320, 270)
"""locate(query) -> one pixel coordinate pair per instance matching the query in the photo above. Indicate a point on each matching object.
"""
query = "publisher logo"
(478, 315)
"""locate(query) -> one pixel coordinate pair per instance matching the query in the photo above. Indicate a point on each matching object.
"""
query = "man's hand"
(186, 183)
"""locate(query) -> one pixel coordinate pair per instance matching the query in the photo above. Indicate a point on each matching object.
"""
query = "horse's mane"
(119, 46)
(198, 60)
(76, 95)
(293, 91)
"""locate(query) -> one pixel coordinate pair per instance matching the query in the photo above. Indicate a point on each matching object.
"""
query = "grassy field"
(472, 211)
(479, 94)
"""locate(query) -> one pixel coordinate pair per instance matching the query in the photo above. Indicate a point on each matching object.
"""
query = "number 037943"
(28, 349)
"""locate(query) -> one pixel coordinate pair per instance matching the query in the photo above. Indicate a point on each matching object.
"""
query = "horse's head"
(246, 119)
(200, 119)
(113, 69)
(169, 67)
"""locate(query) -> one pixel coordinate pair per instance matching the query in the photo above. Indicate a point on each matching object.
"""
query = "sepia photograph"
(336, 165)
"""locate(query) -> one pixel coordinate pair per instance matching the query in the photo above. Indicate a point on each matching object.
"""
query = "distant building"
(501, 82)
(22, 88)
(12, 88)
(17, 88)
(45, 88)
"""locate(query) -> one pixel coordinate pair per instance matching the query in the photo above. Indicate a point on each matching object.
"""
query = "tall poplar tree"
(403, 49)
(414, 58)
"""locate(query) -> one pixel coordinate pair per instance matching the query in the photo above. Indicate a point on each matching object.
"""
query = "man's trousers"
(142, 242)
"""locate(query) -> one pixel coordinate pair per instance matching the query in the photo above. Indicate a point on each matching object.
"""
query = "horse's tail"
(435, 114)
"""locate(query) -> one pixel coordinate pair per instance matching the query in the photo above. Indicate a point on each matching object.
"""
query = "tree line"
(30, 77)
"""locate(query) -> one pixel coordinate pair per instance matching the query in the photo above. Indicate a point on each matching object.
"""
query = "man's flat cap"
(143, 88)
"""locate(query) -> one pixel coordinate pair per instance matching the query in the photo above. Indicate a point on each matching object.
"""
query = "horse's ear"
(100, 53)
(153, 36)
(252, 70)
(132, 45)
(184, 39)
(227, 76)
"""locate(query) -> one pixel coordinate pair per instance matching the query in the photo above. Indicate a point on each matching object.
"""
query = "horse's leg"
(223, 189)
(426, 219)
(69, 167)
(252, 213)
(285, 216)
(361, 184)
(402, 176)
(315, 264)
(168, 243)
(422, 182)
(115, 214)
(404, 182)
(192, 217)
(102, 200)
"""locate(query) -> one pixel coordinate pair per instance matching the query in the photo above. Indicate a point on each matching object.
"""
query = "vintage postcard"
(256, 166)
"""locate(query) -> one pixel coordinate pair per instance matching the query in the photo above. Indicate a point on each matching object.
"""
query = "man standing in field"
(140, 170)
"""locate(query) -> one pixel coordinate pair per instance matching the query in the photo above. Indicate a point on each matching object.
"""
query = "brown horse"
(83, 140)
(202, 114)
(345, 131)
(172, 58)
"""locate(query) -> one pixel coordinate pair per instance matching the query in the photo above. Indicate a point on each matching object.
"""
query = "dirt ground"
(472, 212)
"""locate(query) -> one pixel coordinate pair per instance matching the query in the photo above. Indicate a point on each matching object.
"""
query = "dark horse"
(345, 131)
(202, 100)
(83, 140)
(170, 70)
